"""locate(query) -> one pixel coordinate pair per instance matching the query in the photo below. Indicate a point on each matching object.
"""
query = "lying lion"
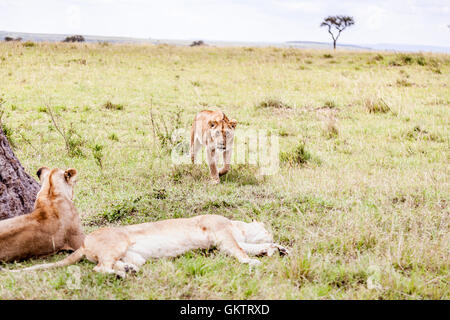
(215, 131)
(54, 224)
(121, 249)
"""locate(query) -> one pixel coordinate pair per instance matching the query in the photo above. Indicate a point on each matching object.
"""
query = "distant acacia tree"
(12, 39)
(75, 38)
(197, 43)
(339, 23)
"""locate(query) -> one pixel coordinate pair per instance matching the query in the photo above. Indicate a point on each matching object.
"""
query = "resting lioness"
(53, 225)
(122, 249)
(216, 132)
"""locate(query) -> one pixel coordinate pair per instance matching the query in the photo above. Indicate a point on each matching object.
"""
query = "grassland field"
(361, 197)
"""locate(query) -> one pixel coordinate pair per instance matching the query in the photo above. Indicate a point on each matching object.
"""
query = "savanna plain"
(360, 198)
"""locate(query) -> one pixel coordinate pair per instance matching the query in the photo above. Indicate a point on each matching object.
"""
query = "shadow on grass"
(242, 174)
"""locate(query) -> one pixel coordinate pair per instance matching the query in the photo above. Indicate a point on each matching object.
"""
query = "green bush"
(29, 44)
(299, 155)
(7, 131)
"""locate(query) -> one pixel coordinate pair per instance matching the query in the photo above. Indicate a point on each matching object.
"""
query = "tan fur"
(215, 131)
(122, 249)
(53, 225)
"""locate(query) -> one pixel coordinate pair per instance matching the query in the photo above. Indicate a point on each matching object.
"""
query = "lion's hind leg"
(107, 248)
(131, 262)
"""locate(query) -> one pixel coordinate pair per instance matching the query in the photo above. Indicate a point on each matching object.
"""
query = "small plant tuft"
(378, 57)
(330, 104)
(418, 133)
(97, 153)
(28, 44)
(112, 106)
(113, 137)
(273, 103)
(404, 83)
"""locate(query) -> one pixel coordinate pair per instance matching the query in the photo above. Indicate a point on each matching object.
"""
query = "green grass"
(363, 206)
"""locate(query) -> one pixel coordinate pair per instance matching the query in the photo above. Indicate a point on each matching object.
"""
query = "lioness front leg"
(226, 162)
(227, 243)
(258, 249)
(212, 162)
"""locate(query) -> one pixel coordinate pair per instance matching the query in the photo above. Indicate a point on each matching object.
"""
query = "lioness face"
(57, 181)
(222, 134)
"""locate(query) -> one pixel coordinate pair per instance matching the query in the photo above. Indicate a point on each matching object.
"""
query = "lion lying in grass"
(119, 250)
(54, 224)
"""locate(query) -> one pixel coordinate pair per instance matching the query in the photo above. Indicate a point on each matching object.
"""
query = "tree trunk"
(17, 189)
(334, 44)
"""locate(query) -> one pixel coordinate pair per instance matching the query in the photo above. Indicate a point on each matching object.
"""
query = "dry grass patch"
(376, 105)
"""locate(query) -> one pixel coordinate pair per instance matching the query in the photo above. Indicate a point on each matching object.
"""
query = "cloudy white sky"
(403, 22)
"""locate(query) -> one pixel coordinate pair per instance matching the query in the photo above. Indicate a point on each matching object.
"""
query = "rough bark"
(18, 190)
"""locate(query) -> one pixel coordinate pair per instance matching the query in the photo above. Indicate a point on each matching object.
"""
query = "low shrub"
(273, 103)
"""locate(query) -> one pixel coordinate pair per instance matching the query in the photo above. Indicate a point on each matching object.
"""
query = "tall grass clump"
(297, 156)
(72, 139)
(164, 127)
(97, 153)
(376, 105)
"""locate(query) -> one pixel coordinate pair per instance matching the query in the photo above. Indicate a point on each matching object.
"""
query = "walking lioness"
(122, 249)
(215, 131)
(53, 225)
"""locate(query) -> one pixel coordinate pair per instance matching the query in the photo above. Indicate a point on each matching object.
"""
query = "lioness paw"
(130, 268)
(283, 251)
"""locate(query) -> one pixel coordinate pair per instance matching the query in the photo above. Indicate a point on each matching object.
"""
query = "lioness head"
(56, 182)
(222, 132)
(257, 232)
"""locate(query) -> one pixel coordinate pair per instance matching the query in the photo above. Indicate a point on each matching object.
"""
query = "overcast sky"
(403, 22)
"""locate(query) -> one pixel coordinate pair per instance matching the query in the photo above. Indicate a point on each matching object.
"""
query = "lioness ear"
(233, 123)
(69, 174)
(41, 171)
(212, 124)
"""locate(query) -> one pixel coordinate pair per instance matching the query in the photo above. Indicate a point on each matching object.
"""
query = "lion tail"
(71, 259)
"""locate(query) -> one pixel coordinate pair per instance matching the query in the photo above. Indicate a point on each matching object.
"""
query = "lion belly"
(159, 246)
